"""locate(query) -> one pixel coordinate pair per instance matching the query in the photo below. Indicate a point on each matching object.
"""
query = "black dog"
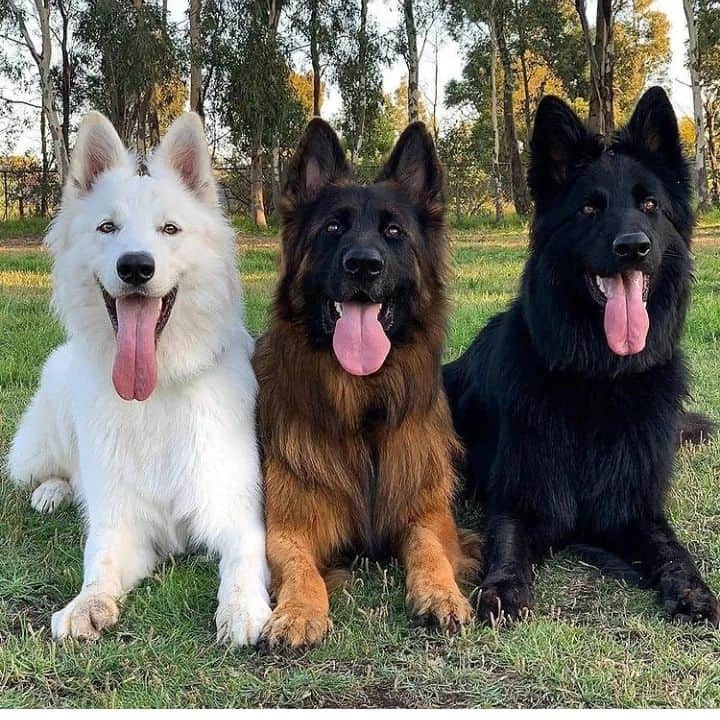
(569, 403)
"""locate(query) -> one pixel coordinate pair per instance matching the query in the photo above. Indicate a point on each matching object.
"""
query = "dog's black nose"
(631, 246)
(366, 261)
(135, 268)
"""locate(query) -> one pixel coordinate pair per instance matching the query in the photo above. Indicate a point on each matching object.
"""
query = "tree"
(600, 53)
(642, 52)
(136, 60)
(708, 29)
(419, 16)
(319, 29)
(694, 62)
(253, 95)
(357, 62)
(518, 184)
(497, 15)
(16, 14)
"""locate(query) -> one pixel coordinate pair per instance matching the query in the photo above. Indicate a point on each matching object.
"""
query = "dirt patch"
(30, 242)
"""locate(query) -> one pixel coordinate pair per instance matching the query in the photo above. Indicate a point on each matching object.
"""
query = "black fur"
(328, 217)
(568, 442)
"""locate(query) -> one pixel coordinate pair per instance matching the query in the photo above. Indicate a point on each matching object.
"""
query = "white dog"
(146, 286)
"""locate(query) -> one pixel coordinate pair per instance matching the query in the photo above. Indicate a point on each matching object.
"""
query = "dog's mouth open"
(359, 331)
(138, 321)
(624, 297)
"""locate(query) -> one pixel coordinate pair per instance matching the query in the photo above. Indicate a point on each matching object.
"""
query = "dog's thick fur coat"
(182, 468)
(358, 464)
(570, 425)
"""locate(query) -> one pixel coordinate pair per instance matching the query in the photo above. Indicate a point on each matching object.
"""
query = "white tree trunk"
(698, 110)
(43, 61)
(196, 99)
(497, 175)
(412, 61)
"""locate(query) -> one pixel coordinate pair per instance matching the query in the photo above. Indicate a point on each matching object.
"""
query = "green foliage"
(130, 50)
(358, 59)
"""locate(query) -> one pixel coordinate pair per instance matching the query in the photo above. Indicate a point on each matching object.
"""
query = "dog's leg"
(506, 590)
(116, 559)
(243, 599)
(301, 617)
(41, 455)
(227, 517)
(431, 552)
(304, 523)
(671, 569)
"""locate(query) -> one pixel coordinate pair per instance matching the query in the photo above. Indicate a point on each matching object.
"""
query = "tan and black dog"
(357, 437)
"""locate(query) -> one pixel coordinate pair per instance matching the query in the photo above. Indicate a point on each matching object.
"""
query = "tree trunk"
(257, 201)
(517, 174)
(276, 185)
(196, 86)
(315, 56)
(45, 166)
(66, 84)
(524, 70)
(595, 116)
(605, 38)
(43, 62)
(412, 61)
(712, 154)
(362, 57)
(497, 175)
(435, 128)
(698, 114)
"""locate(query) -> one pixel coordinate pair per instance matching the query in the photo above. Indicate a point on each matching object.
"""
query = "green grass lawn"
(590, 642)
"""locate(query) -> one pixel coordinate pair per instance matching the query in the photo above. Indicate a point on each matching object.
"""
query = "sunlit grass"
(591, 642)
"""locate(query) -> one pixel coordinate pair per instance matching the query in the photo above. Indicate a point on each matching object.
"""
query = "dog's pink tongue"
(626, 318)
(135, 370)
(359, 341)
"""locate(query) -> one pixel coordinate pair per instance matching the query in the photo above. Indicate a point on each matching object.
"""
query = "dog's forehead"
(135, 194)
(369, 200)
(618, 173)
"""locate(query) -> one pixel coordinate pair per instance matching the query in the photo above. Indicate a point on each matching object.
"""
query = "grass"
(591, 641)
(27, 227)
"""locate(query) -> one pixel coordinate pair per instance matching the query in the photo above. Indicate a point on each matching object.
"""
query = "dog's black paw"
(693, 603)
(502, 600)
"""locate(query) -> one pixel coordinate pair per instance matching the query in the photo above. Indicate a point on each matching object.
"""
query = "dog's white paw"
(240, 623)
(85, 617)
(51, 495)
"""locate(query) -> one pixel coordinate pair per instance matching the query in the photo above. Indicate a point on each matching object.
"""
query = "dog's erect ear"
(98, 148)
(560, 146)
(653, 126)
(414, 164)
(318, 160)
(184, 150)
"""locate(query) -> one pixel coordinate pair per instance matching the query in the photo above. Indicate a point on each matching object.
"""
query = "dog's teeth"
(338, 308)
(601, 284)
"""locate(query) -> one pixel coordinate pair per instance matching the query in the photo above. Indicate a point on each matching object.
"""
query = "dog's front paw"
(51, 495)
(240, 623)
(442, 607)
(502, 600)
(296, 627)
(693, 602)
(85, 617)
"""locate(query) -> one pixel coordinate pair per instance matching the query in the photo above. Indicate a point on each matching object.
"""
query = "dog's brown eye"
(333, 228)
(106, 227)
(392, 231)
(170, 229)
(588, 209)
(649, 205)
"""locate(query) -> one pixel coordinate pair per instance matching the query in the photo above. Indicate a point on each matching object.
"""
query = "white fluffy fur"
(181, 468)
